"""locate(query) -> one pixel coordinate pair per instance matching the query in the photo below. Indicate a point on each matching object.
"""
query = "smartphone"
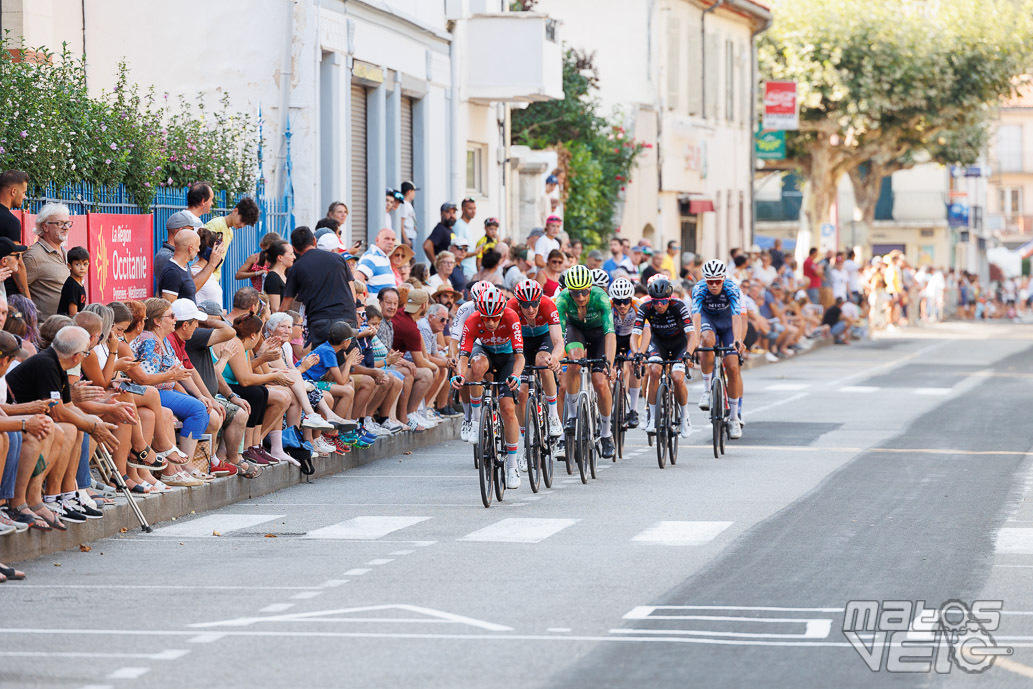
(126, 386)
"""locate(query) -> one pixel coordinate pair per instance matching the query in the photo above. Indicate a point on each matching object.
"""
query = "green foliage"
(56, 132)
(596, 156)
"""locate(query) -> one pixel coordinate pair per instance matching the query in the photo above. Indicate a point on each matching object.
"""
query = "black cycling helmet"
(660, 288)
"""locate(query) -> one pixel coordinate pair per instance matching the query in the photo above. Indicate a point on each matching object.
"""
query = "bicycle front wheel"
(583, 438)
(617, 419)
(717, 414)
(485, 451)
(533, 442)
(663, 421)
(672, 435)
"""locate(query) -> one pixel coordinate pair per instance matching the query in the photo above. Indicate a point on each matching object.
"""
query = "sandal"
(248, 470)
(415, 427)
(140, 459)
(37, 522)
(54, 522)
(174, 455)
(10, 573)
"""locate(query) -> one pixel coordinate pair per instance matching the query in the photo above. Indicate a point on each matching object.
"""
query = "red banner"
(76, 235)
(121, 256)
(781, 106)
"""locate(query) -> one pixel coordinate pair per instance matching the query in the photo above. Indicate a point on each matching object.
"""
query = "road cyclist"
(625, 311)
(543, 344)
(717, 317)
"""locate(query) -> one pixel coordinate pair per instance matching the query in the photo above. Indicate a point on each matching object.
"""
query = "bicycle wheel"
(617, 419)
(583, 439)
(500, 459)
(663, 421)
(532, 443)
(595, 449)
(547, 460)
(717, 413)
(486, 469)
(672, 436)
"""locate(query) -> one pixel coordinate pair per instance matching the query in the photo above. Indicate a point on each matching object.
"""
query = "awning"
(701, 206)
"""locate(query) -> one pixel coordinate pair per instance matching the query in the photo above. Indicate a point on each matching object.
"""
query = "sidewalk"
(218, 493)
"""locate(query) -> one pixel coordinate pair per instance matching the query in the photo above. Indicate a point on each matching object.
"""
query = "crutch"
(104, 457)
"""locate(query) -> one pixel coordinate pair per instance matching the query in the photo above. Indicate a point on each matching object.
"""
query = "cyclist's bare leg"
(601, 383)
(511, 430)
(706, 359)
(681, 390)
(478, 367)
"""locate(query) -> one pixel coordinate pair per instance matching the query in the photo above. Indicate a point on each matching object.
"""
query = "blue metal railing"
(86, 197)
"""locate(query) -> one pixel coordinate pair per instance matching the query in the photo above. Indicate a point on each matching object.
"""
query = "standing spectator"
(281, 257)
(46, 266)
(765, 271)
(11, 254)
(440, 237)
(577, 247)
(13, 185)
(409, 341)
(465, 229)
(839, 278)
(655, 267)
(549, 276)
(777, 257)
(338, 211)
(322, 282)
(488, 241)
(73, 294)
(811, 273)
(175, 281)
(244, 214)
(638, 257)
(594, 259)
(517, 271)
(393, 201)
(544, 205)
(408, 214)
(668, 258)
(375, 265)
(853, 271)
(618, 259)
(200, 197)
(548, 242)
(490, 270)
(175, 223)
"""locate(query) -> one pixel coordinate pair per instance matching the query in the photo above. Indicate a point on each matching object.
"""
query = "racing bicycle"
(538, 450)
(719, 409)
(668, 412)
(490, 448)
(584, 443)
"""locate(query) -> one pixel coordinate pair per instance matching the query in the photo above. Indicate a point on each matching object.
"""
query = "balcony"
(512, 57)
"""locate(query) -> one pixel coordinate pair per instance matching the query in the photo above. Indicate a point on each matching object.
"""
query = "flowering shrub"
(56, 132)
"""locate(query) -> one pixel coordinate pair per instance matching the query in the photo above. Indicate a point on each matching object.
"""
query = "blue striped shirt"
(376, 266)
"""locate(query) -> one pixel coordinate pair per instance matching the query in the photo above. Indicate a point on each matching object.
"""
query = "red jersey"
(504, 339)
(547, 315)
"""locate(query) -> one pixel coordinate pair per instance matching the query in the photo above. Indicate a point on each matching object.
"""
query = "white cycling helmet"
(622, 289)
(600, 278)
(714, 269)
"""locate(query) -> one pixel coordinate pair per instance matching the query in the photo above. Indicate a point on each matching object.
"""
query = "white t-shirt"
(408, 215)
(850, 310)
(853, 272)
(765, 275)
(840, 280)
(544, 245)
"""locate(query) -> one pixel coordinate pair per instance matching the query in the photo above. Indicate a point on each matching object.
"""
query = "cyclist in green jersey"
(586, 320)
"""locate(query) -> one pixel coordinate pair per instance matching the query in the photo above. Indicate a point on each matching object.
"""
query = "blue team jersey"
(717, 307)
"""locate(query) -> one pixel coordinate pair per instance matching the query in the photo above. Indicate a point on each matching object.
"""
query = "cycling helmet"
(661, 288)
(714, 269)
(622, 289)
(478, 288)
(491, 303)
(654, 276)
(579, 277)
(528, 291)
(600, 279)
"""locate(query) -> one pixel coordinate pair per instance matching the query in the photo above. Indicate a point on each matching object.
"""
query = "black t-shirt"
(831, 316)
(201, 357)
(458, 279)
(11, 228)
(273, 283)
(647, 273)
(321, 280)
(72, 293)
(178, 281)
(40, 377)
(441, 238)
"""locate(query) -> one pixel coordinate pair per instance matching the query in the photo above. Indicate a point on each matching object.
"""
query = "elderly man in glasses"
(46, 267)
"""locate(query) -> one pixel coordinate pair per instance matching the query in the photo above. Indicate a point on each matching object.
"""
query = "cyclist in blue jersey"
(717, 317)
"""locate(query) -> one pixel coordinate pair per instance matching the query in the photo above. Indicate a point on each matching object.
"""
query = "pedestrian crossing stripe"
(215, 525)
(520, 530)
(681, 532)
(364, 528)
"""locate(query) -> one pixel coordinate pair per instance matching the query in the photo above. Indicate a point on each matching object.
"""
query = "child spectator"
(73, 294)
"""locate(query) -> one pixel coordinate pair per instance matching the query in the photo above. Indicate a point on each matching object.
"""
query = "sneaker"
(367, 437)
(632, 419)
(6, 529)
(513, 479)
(18, 526)
(425, 421)
(345, 425)
(323, 448)
(248, 454)
(704, 400)
(70, 512)
(90, 512)
(220, 469)
(264, 454)
(317, 422)
(771, 358)
(607, 443)
(734, 429)
(651, 426)
(555, 427)
(464, 431)
(448, 413)
(392, 425)
(181, 478)
(375, 428)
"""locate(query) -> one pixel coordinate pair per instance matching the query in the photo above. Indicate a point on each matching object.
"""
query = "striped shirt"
(376, 266)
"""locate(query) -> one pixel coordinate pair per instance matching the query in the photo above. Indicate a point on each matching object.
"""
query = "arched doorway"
(649, 233)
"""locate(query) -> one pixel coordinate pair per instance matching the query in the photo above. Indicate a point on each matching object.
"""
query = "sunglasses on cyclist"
(580, 292)
(663, 301)
(621, 302)
(528, 304)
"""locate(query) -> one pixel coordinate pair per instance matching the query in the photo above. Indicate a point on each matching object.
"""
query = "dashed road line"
(379, 561)
(305, 595)
(129, 673)
(277, 607)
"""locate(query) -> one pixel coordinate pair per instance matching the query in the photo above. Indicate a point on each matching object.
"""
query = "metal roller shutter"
(406, 147)
(357, 207)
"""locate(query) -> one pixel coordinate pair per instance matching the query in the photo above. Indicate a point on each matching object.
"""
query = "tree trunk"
(822, 179)
(867, 186)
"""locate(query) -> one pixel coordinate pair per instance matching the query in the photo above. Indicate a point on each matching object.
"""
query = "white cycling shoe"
(686, 430)
(465, 430)
(651, 425)
(734, 429)
(555, 427)
(512, 479)
(704, 400)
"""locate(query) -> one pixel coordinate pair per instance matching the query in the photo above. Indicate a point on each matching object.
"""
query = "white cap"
(186, 310)
(330, 242)
(800, 294)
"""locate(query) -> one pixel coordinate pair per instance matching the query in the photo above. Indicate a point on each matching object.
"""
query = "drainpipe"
(764, 26)
(703, 53)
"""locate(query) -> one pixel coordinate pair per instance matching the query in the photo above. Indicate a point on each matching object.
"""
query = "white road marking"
(748, 411)
(277, 607)
(403, 552)
(681, 532)
(519, 530)
(97, 686)
(357, 572)
(158, 586)
(859, 388)
(427, 616)
(559, 630)
(644, 612)
(787, 387)
(932, 391)
(869, 370)
(334, 583)
(129, 672)
(305, 595)
(209, 638)
(1015, 541)
(364, 528)
(379, 561)
(205, 527)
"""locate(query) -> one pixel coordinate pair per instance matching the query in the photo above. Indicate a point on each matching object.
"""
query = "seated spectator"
(175, 281)
(377, 357)
(444, 264)
(280, 256)
(408, 371)
(400, 257)
(835, 323)
(375, 265)
(409, 341)
(490, 268)
(431, 328)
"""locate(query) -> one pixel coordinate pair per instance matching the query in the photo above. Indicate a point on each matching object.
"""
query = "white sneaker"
(425, 421)
(512, 479)
(323, 447)
(392, 425)
(734, 429)
(651, 425)
(772, 359)
(686, 429)
(555, 426)
(704, 400)
(316, 422)
(375, 428)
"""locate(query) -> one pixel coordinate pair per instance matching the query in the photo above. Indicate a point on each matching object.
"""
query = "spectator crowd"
(332, 346)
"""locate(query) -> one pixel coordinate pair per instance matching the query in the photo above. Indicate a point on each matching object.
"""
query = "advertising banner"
(770, 145)
(121, 253)
(781, 106)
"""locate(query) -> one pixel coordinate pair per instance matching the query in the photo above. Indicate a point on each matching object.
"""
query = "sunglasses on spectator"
(67, 224)
(556, 262)
(442, 319)
(621, 302)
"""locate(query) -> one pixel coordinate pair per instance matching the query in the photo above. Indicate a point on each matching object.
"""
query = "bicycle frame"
(587, 439)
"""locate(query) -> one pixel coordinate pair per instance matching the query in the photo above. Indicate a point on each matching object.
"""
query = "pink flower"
(23, 134)
(114, 147)
(107, 161)
(147, 184)
(2, 151)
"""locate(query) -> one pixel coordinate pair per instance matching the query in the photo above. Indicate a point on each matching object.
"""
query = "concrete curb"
(216, 494)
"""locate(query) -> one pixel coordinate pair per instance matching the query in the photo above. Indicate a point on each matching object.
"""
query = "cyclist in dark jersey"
(717, 316)
(672, 335)
(543, 343)
(625, 310)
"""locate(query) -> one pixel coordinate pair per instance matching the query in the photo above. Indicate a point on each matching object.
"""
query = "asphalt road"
(893, 470)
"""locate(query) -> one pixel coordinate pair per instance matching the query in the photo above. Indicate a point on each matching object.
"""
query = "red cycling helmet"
(528, 291)
(491, 303)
